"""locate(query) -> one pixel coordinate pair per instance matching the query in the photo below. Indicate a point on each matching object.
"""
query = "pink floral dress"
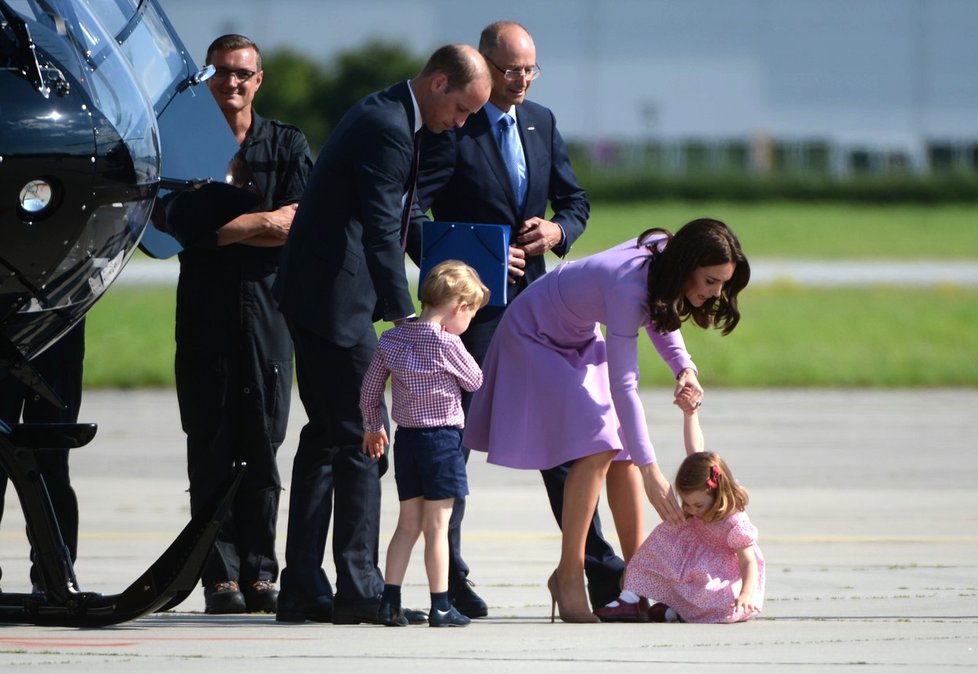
(693, 568)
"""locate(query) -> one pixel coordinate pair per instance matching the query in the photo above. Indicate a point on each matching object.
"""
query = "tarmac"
(865, 501)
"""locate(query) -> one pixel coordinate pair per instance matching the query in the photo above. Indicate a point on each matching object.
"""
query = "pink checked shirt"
(427, 366)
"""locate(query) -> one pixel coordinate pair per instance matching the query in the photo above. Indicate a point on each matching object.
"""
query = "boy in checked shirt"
(427, 364)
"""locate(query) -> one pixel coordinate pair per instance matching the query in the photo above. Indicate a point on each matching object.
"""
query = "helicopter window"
(156, 60)
(63, 18)
(114, 14)
(76, 37)
(23, 7)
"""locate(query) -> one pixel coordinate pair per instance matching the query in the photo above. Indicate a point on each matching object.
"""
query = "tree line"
(314, 96)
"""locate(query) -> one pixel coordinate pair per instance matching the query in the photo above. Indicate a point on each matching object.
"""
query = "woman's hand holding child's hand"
(688, 399)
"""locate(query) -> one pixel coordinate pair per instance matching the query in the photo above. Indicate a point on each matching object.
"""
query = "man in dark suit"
(341, 270)
(469, 175)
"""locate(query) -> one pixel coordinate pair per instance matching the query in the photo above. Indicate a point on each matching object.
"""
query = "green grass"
(789, 336)
(803, 231)
(820, 337)
(129, 338)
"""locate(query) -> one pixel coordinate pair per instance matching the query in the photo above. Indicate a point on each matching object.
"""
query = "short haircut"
(230, 42)
(489, 40)
(456, 64)
(453, 280)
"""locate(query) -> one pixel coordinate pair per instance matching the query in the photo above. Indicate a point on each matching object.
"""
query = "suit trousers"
(331, 473)
(601, 565)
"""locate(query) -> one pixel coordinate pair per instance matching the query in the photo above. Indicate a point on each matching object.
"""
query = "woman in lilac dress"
(557, 390)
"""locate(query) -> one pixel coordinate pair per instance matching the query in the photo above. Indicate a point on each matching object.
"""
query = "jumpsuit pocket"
(278, 396)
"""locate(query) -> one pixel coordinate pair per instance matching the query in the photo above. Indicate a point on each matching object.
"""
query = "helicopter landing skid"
(163, 585)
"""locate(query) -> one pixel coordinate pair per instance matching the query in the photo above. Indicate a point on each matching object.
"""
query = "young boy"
(427, 363)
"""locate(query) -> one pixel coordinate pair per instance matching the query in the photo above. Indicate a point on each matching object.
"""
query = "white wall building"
(896, 75)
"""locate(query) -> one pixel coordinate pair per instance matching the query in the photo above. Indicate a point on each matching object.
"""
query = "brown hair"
(450, 280)
(701, 243)
(230, 42)
(707, 471)
(455, 62)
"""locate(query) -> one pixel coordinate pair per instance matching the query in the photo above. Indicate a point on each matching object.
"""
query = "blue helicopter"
(102, 123)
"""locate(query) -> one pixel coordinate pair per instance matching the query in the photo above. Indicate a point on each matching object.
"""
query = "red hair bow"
(714, 480)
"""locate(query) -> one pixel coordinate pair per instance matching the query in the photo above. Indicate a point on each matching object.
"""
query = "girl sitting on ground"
(708, 569)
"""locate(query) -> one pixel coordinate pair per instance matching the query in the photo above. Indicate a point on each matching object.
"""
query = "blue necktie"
(512, 151)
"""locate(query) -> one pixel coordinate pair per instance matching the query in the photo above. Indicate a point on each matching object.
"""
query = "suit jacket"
(463, 178)
(342, 267)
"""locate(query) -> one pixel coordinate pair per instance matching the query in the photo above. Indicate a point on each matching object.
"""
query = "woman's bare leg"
(581, 491)
(626, 498)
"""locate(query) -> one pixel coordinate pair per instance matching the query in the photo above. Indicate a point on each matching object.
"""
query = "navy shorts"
(428, 462)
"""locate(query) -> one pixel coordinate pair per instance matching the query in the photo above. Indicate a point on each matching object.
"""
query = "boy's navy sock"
(439, 601)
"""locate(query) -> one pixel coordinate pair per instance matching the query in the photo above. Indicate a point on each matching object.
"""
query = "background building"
(827, 85)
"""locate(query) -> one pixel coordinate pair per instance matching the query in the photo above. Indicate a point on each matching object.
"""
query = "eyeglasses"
(529, 72)
(241, 75)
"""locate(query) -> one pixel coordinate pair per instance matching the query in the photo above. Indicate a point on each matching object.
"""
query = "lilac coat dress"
(555, 389)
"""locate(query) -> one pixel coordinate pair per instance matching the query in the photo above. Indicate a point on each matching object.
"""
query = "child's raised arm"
(692, 433)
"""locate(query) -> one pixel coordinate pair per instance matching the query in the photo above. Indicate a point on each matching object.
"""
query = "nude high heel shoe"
(557, 606)
(552, 586)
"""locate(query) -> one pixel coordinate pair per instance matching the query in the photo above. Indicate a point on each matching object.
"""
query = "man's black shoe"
(363, 611)
(415, 617)
(468, 603)
(390, 616)
(319, 611)
(261, 596)
(224, 598)
(449, 618)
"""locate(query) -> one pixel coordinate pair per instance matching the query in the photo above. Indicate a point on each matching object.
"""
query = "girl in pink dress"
(708, 569)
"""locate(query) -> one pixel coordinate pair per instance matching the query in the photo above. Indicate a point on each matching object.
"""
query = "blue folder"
(485, 248)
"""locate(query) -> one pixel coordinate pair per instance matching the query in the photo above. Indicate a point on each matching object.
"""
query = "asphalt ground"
(865, 502)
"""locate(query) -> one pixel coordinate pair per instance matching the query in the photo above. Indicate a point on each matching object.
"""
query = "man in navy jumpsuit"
(234, 353)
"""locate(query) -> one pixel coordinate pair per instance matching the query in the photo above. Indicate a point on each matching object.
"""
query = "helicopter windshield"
(73, 33)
